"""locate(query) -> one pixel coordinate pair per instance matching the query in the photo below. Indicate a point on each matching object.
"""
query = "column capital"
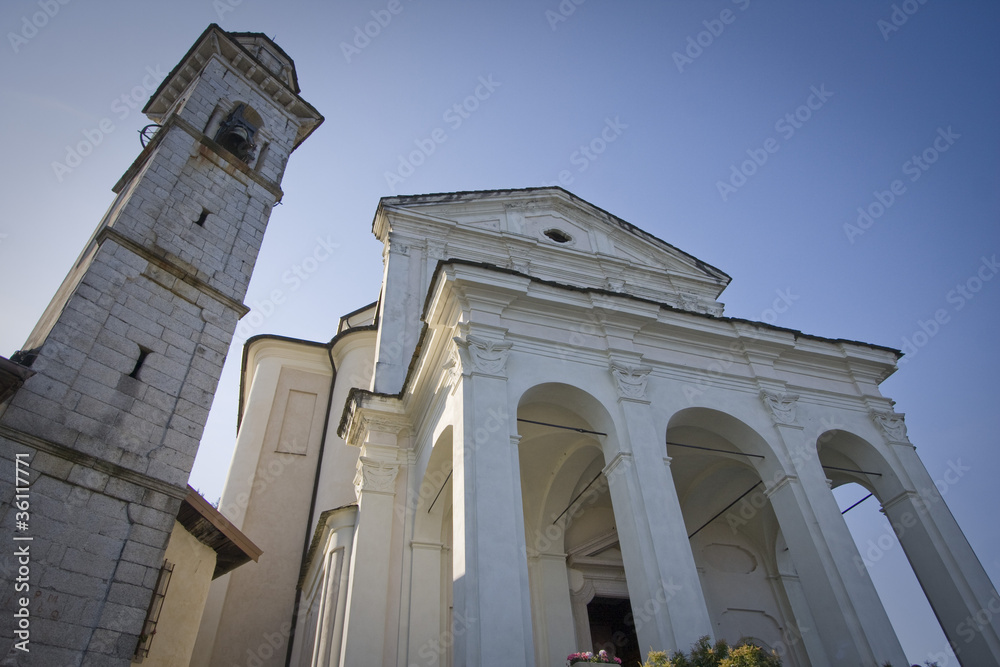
(911, 496)
(783, 482)
(619, 459)
(482, 356)
(375, 476)
(780, 405)
(372, 419)
(892, 425)
(630, 380)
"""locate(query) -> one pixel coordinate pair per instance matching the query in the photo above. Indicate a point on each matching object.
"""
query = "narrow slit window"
(143, 353)
(201, 218)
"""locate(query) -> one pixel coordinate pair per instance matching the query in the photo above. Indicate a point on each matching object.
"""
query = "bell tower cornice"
(274, 79)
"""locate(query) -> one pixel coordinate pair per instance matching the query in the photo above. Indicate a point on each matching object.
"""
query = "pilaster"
(845, 605)
(492, 616)
(672, 600)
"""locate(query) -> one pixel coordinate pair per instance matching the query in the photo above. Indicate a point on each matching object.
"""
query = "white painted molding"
(785, 481)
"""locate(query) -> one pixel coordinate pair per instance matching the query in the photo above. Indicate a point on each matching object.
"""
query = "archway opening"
(574, 556)
(719, 466)
(862, 481)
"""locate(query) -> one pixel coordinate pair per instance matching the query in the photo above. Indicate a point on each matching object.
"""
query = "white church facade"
(545, 436)
(542, 436)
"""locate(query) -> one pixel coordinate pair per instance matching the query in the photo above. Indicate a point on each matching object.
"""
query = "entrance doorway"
(612, 629)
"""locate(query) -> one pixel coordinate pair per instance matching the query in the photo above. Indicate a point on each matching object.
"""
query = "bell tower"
(125, 360)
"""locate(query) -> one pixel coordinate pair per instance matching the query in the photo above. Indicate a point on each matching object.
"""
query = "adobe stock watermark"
(122, 107)
(968, 629)
(270, 646)
(589, 152)
(562, 12)
(898, 526)
(958, 297)
(735, 353)
(786, 126)
(431, 651)
(900, 14)
(30, 25)
(364, 34)
(223, 7)
(454, 116)
(293, 277)
(714, 28)
(914, 168)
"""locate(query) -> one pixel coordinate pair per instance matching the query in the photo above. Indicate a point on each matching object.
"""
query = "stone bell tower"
(126, 358)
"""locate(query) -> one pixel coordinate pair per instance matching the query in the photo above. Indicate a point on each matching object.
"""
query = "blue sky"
(745, 133)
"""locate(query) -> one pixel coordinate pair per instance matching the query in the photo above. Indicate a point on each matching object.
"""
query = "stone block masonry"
(127, 357)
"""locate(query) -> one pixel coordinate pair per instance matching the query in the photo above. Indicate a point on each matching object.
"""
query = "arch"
(733, 528)
(565, 499)
(431, 573)
(917, 522)
(714, 428)
(238, 131)
(841, 451)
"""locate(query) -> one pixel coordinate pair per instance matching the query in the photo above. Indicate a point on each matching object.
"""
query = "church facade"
(543, 436)
(546, 437)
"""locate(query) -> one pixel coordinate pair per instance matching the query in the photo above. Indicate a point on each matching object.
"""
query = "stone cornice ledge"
(100, 465)
(366, 411)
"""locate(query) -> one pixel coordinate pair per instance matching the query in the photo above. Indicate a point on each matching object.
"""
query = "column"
(550, 585)
(426, 639)
(964, 599)
(671, 599)
(492, 605)
(375, 484)
(850, 618)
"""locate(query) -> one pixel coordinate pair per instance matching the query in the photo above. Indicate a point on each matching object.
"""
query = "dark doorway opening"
(613, 630)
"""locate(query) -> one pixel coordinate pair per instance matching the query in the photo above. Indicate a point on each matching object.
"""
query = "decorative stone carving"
(452, 368)
(892, 424)
(782, 406)
(485, 356)
(375, 476)
(630, 380)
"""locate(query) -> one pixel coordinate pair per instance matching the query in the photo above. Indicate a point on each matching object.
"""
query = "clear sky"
(746, 133)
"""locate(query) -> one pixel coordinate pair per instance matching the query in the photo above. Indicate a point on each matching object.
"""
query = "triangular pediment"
(551, 234)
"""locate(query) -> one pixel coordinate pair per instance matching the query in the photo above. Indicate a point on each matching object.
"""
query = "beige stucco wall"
(180, 616)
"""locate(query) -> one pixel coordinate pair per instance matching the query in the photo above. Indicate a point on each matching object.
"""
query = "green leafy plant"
(720, 654)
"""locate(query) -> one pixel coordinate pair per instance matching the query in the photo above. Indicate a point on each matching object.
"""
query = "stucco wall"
(177, 628)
